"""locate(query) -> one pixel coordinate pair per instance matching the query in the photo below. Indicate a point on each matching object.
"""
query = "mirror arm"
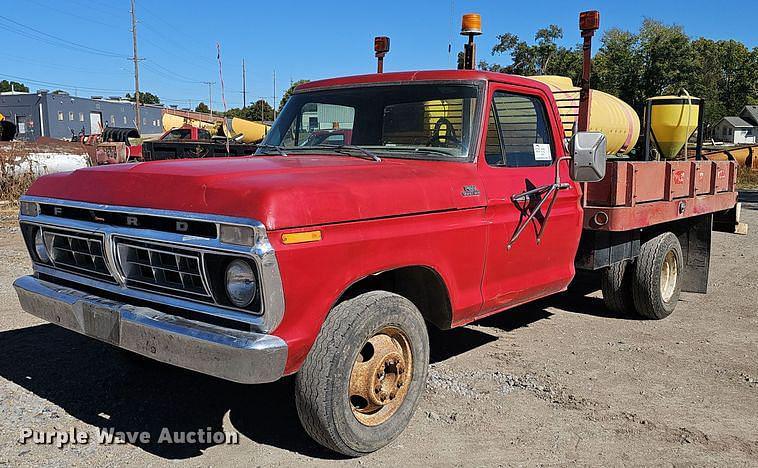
(551, 191)
(558, 172)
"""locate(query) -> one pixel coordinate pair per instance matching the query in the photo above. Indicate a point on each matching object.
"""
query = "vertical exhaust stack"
(381, 47)
(471, 25)
(589, 22)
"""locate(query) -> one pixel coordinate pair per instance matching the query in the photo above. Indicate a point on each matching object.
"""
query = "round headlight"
(40, 248)
(240, 283)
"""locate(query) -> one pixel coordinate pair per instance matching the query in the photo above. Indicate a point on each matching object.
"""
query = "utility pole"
(210, 96)
(244, 90)
(274, 106)
(136, 69)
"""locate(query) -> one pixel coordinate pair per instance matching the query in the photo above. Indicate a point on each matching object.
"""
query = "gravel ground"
(557, 382)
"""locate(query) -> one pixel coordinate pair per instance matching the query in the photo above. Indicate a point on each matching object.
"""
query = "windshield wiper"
(277, 148)
(345, 149)
(427, 149)
(419, 149)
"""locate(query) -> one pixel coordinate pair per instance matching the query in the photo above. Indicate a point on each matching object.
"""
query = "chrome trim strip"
(262, 254)
(239, 356)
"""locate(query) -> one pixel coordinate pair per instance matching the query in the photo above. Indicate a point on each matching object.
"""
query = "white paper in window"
(542, 152)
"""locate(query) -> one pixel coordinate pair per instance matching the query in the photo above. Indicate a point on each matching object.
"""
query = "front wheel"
(361, 383)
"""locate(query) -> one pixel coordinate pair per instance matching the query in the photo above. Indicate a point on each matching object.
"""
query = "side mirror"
(588, 150)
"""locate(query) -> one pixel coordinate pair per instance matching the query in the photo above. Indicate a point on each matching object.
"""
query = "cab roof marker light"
(301, 237)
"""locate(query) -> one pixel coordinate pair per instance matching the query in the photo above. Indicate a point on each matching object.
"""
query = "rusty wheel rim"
(380, 376)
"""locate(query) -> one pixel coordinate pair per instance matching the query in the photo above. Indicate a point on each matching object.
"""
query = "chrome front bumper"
(239, 356)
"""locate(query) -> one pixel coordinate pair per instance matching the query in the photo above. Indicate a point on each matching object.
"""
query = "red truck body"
(443, 240)
(426, 222)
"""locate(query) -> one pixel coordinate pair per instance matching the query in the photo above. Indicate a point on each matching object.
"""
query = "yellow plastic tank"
(608, 114)
(252, 132)
(673, 119)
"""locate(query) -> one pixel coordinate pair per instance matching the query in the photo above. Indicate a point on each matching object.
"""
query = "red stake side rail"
(637, 194)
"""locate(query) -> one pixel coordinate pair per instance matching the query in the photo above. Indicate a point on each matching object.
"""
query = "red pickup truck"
(456, 198)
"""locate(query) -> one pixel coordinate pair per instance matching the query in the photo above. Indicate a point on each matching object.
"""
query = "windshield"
(408, 120)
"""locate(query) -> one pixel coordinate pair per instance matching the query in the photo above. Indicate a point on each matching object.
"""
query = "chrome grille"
(162, 268)
(78, 252)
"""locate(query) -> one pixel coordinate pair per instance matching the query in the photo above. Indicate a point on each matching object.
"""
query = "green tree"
(203, 108)
(543, 57)
(145, 98)
(662, 59)
(289, 92)
(6, 86)
(259, 111)
(667, 58)
(657, 59)
(616, 66)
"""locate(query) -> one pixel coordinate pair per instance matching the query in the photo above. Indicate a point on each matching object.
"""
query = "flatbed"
(639, 194)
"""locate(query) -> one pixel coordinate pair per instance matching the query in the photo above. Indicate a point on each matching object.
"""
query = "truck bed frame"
(638, 200)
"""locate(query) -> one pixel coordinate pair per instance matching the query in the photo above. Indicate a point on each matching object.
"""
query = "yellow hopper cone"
(673, 119)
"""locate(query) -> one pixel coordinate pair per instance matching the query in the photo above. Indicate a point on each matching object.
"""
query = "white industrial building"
(740, 129)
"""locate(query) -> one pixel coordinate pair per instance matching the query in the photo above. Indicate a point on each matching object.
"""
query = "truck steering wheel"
(449, 137)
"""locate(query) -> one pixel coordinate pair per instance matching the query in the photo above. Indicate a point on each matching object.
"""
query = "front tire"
(361, 382)
(657, 279)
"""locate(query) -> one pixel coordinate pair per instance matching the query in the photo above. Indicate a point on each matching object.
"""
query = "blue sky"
(296, 38)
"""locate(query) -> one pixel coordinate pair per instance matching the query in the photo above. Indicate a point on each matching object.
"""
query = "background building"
(59, 115)
(741, 129)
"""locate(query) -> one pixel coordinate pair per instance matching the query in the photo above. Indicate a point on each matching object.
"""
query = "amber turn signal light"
(301, 237)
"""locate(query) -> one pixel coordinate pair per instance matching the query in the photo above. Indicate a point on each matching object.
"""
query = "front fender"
(316, 274)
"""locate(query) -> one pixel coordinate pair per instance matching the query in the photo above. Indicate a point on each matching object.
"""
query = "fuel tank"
(608, 114)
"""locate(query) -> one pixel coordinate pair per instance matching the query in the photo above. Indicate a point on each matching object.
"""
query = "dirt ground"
(558, 382)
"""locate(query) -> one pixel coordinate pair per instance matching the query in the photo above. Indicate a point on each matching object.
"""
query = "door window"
(518, 132)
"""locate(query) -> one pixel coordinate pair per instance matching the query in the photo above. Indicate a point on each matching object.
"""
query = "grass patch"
(15, 179)
(747, 179)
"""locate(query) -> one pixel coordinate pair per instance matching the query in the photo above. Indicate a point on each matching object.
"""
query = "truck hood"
(280, 191)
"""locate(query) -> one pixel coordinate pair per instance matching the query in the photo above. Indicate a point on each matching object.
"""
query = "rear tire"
(616, 283)
(361, 382)
(657, 277)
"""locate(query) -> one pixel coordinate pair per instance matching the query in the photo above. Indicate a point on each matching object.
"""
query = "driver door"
(523, 143)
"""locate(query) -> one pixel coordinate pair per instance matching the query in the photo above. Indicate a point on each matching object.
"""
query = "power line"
(61, 41)
(68, 13)
(172, 75)
(63, 85)
(61, 66)
(187, 53)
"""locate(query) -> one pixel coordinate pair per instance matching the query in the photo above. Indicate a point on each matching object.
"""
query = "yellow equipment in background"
(171, 121)
(673, 120)
(608, 114)
(251, 132)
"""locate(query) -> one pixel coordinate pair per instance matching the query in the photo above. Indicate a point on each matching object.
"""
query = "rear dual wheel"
(360, 384)
(652, 284)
